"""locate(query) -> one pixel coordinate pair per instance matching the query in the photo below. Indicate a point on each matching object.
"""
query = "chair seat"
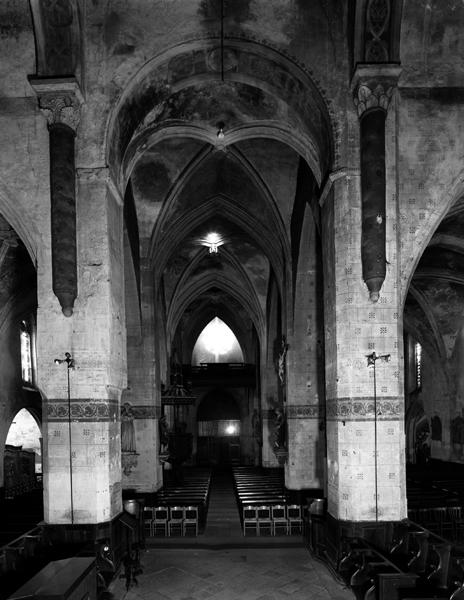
(190, 520)
(295, 518)
(250, 519)
(176, 519)
(279, 518)
(264, 519)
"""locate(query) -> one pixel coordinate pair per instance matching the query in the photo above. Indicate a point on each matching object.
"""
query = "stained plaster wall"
(119, 39)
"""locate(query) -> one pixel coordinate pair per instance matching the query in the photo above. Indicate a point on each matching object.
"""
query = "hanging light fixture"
(213, 240)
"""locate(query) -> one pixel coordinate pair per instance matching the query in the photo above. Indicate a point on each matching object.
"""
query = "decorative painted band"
(89, 409)
(82, 409)
(306, 411)
(362, 408)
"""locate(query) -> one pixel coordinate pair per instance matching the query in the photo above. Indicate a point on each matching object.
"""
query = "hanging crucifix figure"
(282, 360)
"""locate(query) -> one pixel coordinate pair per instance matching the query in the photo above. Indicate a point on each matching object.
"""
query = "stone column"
(305, 393)
(142, 469)
(365, 426)
(81, 424)
(271, 395)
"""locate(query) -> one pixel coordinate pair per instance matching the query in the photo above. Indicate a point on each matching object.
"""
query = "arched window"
(25, 432)
(217, 344)
(26, 351)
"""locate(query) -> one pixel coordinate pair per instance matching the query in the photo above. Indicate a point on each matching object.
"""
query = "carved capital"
(59, 100)
(373, 86)
(60, 110)
(372, 97)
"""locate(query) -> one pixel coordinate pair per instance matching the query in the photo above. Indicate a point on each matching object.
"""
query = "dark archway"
(218, 420)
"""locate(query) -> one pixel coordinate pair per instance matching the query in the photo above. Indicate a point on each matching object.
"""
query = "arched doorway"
(218, 420)
(434, 340)
(23, 454)
(223, 174)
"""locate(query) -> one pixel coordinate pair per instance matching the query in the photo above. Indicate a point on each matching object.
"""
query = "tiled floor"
(232, 574)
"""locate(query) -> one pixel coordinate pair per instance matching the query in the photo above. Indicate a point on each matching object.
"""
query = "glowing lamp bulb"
(213, 241)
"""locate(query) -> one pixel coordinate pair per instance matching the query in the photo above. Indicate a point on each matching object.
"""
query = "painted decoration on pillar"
(373, 183)
(128, 447)
(63, 216)
(377, 34)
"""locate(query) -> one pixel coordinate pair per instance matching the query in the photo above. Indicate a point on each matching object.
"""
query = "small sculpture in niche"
(163, 429)
(422, 446)
(127, 429)
(279, 437)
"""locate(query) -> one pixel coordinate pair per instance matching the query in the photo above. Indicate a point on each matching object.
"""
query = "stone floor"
(232, 574)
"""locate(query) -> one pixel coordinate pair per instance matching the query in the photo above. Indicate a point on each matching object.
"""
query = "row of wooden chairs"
(272, 519)
(171, 520)
(192, 491)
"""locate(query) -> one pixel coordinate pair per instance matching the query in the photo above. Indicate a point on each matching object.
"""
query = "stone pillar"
(365, 426)
(305, 393)
(271, 395)
(81, 424)
(142, 469)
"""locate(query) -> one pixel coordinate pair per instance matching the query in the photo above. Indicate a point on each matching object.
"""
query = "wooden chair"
(250, 519)
(279, 518)
(264, 519)
(160, 520)
(176, 519)
(295, 518)
(190, 520)
(148, 520)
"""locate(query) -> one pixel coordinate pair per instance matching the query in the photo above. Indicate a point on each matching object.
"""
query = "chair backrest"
(294, 511)
(191, 513)
(279, 511)
(177, 513)
(160, 513)
(454, 512)
(250, 513)
(148, 512)
(264, 512)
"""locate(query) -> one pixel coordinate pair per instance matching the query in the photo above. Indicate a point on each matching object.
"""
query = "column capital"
(60, 100)
(373, 86)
